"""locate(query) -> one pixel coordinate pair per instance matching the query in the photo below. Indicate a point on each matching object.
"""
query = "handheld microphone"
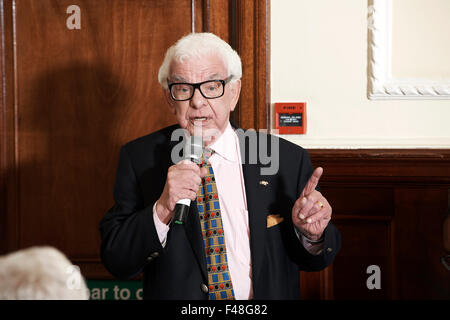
(193, 150)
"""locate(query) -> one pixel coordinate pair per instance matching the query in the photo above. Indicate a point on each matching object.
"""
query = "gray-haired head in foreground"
(198, 45)
(40, 273)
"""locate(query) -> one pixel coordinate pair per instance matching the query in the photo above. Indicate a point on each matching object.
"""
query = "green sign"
(114, 290)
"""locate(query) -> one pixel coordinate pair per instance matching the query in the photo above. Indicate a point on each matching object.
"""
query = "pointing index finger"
(312, 182)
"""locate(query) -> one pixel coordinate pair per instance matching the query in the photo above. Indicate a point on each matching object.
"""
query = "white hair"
(40, 273)
(198, 45)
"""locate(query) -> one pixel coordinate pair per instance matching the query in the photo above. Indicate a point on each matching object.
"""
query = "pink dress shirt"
(226, 163)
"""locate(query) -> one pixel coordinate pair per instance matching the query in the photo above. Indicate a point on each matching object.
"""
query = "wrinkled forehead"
(205, 67)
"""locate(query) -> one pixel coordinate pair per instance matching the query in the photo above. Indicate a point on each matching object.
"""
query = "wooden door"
(71, 97)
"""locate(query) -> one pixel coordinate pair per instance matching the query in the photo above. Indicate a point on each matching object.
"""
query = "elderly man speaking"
(246, 235)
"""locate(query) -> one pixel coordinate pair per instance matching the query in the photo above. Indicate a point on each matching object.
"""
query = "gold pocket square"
(273, 220)
(264, 183)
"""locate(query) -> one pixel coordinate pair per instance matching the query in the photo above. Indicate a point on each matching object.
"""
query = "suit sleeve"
(332, 237)
(128, 234)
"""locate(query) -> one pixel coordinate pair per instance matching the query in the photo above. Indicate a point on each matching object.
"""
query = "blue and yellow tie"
(219, 280)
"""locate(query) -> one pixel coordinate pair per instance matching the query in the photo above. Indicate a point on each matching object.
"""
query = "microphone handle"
(181, 211)
(182, 205)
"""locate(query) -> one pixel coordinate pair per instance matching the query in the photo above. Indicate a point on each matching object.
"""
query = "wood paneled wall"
(389, 206)
(70, 98)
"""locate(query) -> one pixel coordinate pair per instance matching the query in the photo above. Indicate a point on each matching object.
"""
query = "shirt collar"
(225, 146)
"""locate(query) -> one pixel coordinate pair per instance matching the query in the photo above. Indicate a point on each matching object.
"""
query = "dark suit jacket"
(130, 244)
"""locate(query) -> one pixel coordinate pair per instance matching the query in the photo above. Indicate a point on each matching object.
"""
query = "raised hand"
(312, 212)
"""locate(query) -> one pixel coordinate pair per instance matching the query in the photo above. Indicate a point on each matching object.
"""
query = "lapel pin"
(264, 183)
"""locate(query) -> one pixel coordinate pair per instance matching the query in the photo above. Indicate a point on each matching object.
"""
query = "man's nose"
(198, 100)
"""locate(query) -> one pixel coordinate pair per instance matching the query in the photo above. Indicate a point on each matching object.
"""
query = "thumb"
(203, 172)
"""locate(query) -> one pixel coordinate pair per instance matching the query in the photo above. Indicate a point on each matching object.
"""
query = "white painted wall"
(319, 55)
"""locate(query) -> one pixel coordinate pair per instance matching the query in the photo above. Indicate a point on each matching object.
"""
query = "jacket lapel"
(194, 235)
(257, 218)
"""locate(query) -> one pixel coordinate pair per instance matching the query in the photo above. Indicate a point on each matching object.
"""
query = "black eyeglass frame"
(197, 86)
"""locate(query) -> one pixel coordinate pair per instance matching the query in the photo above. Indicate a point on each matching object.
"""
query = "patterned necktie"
(219, 280)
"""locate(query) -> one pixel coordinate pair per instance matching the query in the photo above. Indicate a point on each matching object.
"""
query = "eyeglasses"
(210, 89)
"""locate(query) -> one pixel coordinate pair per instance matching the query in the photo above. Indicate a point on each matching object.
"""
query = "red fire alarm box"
(290, 117)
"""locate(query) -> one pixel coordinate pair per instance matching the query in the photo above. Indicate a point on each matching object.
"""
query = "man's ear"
(236, 91)
(169, 100)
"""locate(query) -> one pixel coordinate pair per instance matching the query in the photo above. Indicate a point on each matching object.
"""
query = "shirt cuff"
(161, 228)
(313, 248)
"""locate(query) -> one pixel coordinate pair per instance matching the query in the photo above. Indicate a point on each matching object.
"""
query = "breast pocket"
(266, 198)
